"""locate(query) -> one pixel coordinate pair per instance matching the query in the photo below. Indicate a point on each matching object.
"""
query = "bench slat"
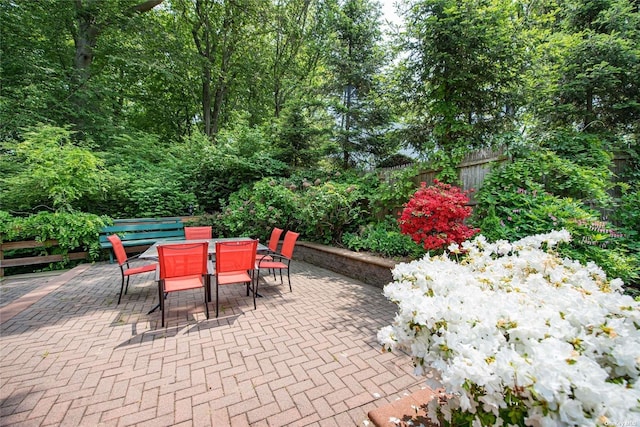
(142, 227)
(147, 220)
(145, 235)
(140, 233)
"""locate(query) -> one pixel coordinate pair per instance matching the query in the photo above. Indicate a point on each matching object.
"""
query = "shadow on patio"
(307, 357)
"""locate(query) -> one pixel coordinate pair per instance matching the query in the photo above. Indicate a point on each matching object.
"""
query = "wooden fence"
(472, 170)
(44, 248)
(34, 260)
(475, 166)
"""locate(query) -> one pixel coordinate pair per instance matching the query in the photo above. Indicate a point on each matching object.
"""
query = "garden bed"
(367, 268)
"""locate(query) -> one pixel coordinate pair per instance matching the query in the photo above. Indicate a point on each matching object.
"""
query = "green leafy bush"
(326, 211)
(516, 201)
(389, 191)
(383, 238)
(320, 210)
(55, 173)
(240, 157)
(148, 178)
(255, 210)
(72, 230)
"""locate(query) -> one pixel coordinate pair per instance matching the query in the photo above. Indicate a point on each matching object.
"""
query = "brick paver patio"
(70, 356)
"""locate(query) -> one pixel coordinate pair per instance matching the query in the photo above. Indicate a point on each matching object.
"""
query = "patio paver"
(303, 358)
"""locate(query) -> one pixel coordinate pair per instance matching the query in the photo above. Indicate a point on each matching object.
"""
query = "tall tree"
(151, 71)
(592, 77)
(299, 42)
(224, 34)
(462, 72)
(34, 66)
(354, 60)
(90, 19)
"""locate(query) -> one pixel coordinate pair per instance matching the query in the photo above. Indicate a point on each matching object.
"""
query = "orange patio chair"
(127, 270)
(183, 266)
(235, 263)
(282, 260)
(194, 233)
(274, 240)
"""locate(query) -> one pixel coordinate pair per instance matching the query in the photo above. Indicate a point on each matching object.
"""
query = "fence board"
(33, 260)
(476, 165)
(44, 259)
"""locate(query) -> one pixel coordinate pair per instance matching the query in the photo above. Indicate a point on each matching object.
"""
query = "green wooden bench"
(137, 234)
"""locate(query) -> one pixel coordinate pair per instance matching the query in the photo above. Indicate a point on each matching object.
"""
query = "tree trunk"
(88, 30)
(206, 99)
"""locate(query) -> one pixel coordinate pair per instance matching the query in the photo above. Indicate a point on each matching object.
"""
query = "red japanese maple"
(434, 217)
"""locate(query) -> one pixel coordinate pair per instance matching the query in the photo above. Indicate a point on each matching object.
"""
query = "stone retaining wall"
(369, 269)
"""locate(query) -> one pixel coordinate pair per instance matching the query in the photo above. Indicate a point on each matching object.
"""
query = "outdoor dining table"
(152, 253)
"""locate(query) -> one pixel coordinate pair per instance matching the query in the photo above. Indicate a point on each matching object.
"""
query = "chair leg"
(126, 288)
(206, 304)
(255, 288)
(162, 297)
(217, 299)
(121, 288)
(289, 279)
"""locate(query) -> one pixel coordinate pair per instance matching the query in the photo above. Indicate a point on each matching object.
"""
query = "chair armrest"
(133, 258)
(274, 257)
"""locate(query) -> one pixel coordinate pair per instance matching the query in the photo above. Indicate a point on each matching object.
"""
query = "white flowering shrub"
(518, 336)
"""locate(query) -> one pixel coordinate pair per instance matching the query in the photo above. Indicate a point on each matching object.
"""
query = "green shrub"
(391, 190)
(326, 211)
(55, 173)
(513, 203)
(73, 231)
(383, 238)
(628, 214)
(149, 178)
(255, 210)
(320, 211)
(239, 158)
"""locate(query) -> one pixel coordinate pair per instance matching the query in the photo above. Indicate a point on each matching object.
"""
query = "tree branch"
(145, 6)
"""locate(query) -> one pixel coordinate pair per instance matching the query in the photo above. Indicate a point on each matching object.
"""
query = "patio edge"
(372, 270)
(25, 301)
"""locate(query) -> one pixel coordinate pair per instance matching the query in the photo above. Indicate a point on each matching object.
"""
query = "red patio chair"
(125, 269)
(194, 233)
(183, 266)
(235, 263)
(282, 260)
(272, 246)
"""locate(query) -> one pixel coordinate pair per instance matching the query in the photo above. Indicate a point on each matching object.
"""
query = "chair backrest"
(236, 255)
(274, 239)
(289, 243)
(191, 233)
(183, 259)
(118, 248)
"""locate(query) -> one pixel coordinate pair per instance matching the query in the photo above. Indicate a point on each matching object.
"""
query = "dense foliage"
(385, 239)
(74, 231)
(255, 113)
(543, 192)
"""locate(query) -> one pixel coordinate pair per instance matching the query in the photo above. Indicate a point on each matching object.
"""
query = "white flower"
(513, 319)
